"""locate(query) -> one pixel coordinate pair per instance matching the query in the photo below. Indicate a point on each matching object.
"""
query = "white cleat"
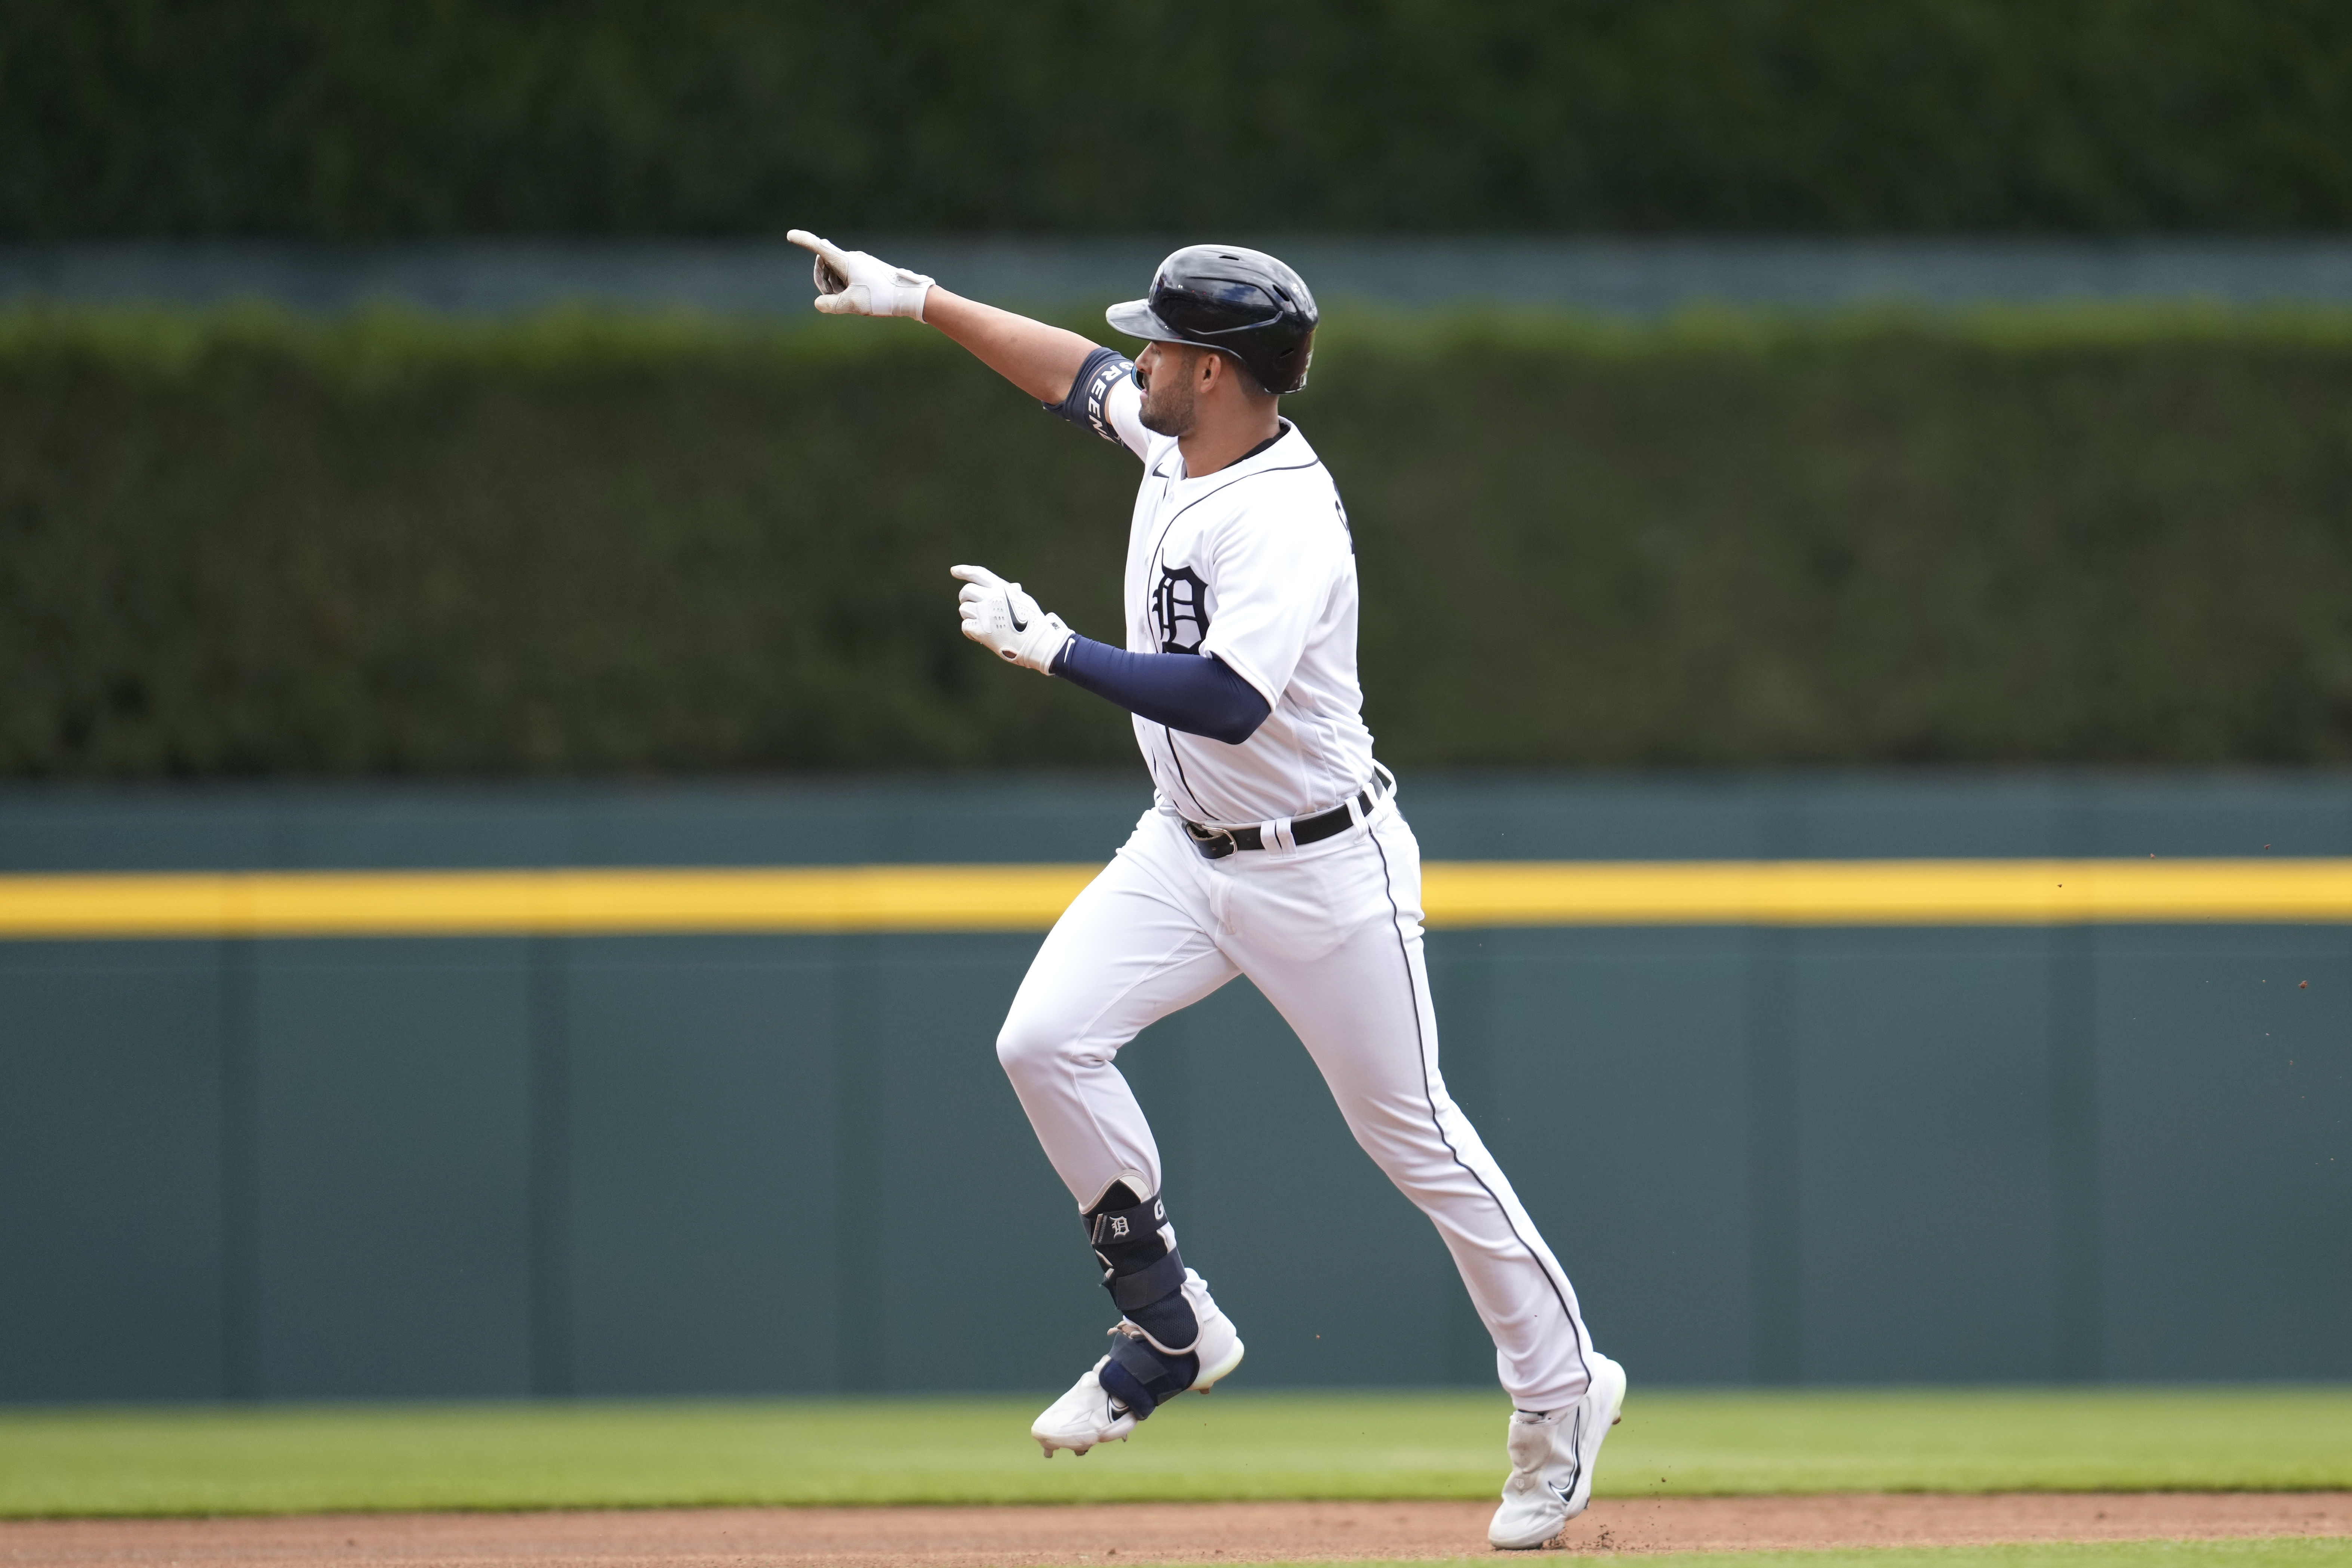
(1552, 1458)
(1082, 1417)
(1087, 1414)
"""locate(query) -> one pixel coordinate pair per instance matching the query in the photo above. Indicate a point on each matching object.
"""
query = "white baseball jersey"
(1254, 565)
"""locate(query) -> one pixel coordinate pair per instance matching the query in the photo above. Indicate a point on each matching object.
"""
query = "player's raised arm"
(1042, 361)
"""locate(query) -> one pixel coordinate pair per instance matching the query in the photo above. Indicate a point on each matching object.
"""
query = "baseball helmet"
(1241, 302)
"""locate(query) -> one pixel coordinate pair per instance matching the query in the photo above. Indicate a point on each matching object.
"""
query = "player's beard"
(1171, 405)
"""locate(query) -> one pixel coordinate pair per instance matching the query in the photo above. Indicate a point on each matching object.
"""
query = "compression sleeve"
(1087, 405)
(1187, 691)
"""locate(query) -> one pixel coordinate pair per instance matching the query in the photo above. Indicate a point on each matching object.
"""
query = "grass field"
(274, 1460)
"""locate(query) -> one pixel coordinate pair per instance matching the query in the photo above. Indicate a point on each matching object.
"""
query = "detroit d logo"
(1178, 611)
(1117, 1227)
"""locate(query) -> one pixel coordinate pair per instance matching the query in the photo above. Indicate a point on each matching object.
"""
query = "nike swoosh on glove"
(852, 283)
(1002, 618)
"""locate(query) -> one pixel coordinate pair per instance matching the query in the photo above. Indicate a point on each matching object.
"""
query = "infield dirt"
(1157, 1532)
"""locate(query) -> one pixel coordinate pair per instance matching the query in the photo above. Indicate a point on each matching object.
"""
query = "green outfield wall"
(441, 1166)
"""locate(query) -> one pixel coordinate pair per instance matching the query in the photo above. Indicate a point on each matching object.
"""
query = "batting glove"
(1002, 618)
(852, 283)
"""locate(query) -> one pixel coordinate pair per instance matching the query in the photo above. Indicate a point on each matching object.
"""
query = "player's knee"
(1028, 1045)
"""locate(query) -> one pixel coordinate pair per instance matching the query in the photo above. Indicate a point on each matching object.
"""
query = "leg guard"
(1154, 1352)
(1142, 1269)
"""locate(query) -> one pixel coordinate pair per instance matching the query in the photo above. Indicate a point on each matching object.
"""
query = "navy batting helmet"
(1241, 302)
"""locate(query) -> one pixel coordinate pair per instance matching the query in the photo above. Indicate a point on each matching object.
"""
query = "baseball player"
(1274, 848)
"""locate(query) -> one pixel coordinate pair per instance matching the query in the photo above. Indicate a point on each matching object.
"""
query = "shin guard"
(1142, 1269)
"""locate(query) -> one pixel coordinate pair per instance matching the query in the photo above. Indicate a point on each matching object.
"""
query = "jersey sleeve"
(1273, 584)
(1104, 399)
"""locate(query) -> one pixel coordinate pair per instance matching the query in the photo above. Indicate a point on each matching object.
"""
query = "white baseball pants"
(1331, 934)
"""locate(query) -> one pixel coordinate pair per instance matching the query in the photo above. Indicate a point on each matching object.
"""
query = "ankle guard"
(1145, 1275)
(1141, 1378)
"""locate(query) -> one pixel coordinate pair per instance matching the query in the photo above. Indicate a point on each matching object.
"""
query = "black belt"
(1216, 843)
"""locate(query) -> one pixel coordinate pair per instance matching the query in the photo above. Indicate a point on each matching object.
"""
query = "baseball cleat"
(1090, 1414)
(1552, 1456)
(1082, 1417)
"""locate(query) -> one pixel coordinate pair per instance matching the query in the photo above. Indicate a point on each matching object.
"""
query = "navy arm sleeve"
(1103, 369)
(1188, 692)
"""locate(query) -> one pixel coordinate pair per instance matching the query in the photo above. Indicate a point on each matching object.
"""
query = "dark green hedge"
(243, 544)
(369, 118)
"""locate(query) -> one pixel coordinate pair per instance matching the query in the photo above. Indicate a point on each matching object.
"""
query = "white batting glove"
(852, 283)
(1002, 618)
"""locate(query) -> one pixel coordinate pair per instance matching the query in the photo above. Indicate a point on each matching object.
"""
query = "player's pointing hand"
(1002, 618)
(852, 283)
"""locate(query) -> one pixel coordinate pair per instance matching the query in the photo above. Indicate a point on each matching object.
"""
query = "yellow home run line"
(810, 899)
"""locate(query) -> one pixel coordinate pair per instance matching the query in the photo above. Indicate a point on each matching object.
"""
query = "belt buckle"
(1213, 842)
